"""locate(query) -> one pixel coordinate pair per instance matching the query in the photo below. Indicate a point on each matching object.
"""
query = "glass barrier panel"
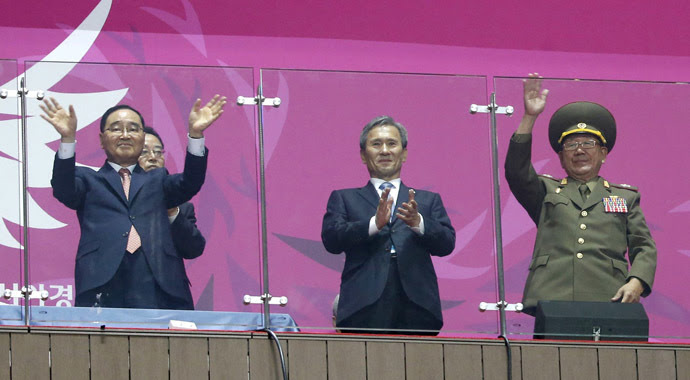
(224, 210)
(11, 234)
(580, 252)
(312, 149)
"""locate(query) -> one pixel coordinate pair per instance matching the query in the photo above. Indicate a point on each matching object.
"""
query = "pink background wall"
(311, 139)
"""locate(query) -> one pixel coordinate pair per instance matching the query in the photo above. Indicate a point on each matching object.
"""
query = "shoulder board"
(548, 176)
(624, 186)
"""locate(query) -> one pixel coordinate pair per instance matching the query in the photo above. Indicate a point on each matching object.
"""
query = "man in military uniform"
(585, 224)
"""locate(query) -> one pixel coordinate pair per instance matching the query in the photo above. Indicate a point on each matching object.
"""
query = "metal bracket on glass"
(247, 299)
(507, 110)
(516, 307)
(9, 293)
(252, 101)
(4, 94)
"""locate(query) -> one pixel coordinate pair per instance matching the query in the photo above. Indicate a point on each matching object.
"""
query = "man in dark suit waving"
(189, 241)
(125, 256)
(389, 280)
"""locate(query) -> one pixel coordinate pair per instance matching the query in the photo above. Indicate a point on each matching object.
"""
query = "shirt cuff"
(372, 226)
(66, 150)
(172, 218)
(419, 230)
(196, 147)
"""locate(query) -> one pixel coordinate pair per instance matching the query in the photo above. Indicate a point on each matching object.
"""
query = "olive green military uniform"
(579, 253)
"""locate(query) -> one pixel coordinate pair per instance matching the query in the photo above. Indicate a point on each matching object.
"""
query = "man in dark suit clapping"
(389, 280)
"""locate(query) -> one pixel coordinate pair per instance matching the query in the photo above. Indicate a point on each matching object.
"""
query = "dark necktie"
(134, 240)
(584, 191)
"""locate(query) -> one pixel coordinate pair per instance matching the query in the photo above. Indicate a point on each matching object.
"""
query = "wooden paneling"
(579, 363)
(264, 359)
(30, 356)
(683, 364)
(308, 359)
(423, 361)
(347, 360)
(109, 357)
(617, 363)
(69, 356)
(149, 357)
(656, 364)
(4, 355)
(463, 359)
(494, 362)
(76, 356)
(188, 358)
(540, 362)
(385, 360)
(228, 358)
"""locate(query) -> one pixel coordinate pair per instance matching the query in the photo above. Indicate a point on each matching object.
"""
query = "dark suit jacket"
(188, 240)
(346, 229)
(106, 215)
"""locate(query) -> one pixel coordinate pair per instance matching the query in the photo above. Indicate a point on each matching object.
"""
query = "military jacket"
(580, 250)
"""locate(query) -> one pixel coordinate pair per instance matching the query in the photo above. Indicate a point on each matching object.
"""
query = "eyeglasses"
(156, 153)
(119, 130)
(589, 144)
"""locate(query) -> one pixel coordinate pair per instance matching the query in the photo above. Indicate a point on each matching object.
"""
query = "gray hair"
(380, 122)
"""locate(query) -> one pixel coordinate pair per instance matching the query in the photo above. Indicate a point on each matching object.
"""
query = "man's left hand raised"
(201, 118)
(408, 212)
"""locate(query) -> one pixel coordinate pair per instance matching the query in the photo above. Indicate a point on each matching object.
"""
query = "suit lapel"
(597, 194)
(138, 179)
(370, 194)
(573, 193)
(112, 178)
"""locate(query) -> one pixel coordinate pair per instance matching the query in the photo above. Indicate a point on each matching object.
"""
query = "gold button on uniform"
(579, 255)
(581, 241)
(583, 226)
(584, 213)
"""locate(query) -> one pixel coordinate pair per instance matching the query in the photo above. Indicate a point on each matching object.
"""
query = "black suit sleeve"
(188, 240)
(67, 187)
(439, 234)
(180, 188)
(340, 230)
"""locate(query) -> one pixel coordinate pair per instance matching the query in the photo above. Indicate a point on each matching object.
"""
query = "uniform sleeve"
(641, 247)
(522, 179)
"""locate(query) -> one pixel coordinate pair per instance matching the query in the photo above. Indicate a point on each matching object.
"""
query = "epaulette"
(548, 176)
(624, 186)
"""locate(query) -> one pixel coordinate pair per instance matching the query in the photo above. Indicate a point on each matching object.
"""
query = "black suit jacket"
(188, 240)
(106, 215)
(367, 258)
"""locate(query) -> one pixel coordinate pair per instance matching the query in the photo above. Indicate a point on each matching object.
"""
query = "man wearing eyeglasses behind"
(585, 225)
(125, 257)
(188, 240)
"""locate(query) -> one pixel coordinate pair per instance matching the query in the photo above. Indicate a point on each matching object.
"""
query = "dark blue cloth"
(106, 215)
(368, 258)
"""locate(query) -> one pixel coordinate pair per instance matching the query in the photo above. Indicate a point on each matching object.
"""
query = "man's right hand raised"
(384, 209)
(64, 122)
(535, 101)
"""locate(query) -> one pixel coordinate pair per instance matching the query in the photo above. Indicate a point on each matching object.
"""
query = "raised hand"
(535, 97)
(64, 121)
(408, 213)
(202, 118)
(383, 211)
